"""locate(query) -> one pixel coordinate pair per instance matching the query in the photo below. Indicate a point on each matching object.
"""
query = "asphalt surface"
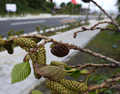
(29, 25)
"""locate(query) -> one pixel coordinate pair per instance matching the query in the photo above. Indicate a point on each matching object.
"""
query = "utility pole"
(72, 9)
(51, 1)
(86, 19)
(73, 2)
(100, 11)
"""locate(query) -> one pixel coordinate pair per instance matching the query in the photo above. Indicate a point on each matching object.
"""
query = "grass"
(100, 19)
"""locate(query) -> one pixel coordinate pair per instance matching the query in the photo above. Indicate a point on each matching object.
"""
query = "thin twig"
(109, 22)
(114, 22)
(103, 85)
(117, 87)
(85, 29)
(98, 65)
(116, 75)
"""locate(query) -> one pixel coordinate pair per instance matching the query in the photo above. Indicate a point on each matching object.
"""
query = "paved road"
(28, 25)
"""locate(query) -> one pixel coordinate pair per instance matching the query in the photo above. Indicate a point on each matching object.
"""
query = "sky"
(108, 5)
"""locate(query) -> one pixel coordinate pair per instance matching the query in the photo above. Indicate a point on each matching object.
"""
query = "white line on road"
(28, 22)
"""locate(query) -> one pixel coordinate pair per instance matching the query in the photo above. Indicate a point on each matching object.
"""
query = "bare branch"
(117, 87)
(72, 47)
(109, 22)
(98, 65)
(114, 22)
(85, 29)
(103, 85)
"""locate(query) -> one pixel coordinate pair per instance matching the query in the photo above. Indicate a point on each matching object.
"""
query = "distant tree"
(49, 7)
(69, 4)
(27, 5)
(51, 1)
(118, 4)
(62, 5)
(76, 7)
(35, 4)
(2, 6)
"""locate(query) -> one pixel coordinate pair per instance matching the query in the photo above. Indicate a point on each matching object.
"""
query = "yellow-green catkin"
(57, 87)
(8, 46)
(35, 64)
(25, 42)
(41, 59)
(36, 39)
(34, 57)
(74, 85)
(2, 42)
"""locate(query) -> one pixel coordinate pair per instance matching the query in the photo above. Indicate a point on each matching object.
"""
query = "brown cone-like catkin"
(86, 1)
(74, 85)
(60, 50)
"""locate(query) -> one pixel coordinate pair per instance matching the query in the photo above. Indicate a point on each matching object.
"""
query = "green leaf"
(52, 45)
(84, 71)
(75, 74)
(67, 68)
(20, 72)
(53, 73)
(36, 92)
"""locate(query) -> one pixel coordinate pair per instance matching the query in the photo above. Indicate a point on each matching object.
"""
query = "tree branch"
(103, 85)
(114, 22)
(98, 65)
(109, 22)
(85, 29)
(71, 47)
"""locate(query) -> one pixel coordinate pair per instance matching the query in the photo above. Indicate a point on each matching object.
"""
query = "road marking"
(28, 22)
(67, 21)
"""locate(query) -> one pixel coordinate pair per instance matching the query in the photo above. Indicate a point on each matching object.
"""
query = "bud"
(26, 58)
(84, 28)
(57, 63)
(84, 71)
(60, 50)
